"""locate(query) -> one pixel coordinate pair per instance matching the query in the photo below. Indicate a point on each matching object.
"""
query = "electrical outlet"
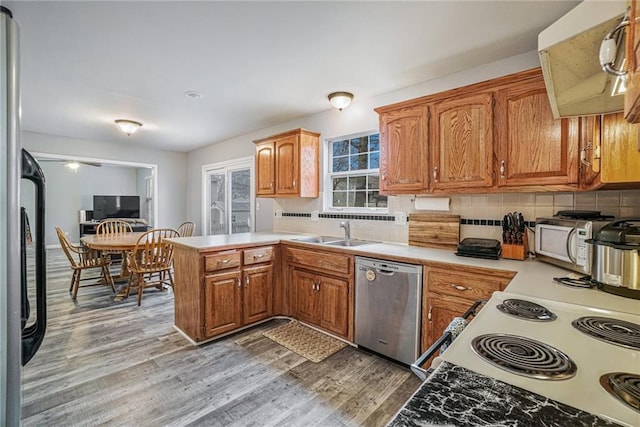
(278, 213)
(401, 218)
(314, 215)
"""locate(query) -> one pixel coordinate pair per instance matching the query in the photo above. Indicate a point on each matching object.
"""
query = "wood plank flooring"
(114, 363)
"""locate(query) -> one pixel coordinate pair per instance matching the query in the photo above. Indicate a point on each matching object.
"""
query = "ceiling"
(257, 64)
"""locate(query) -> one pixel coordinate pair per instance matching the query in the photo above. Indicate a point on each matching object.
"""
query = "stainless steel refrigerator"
(22, 325)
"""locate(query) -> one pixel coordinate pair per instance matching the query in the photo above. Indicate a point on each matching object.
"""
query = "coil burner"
(526, 310)
(613, 331)
(623, 386)
(524, 356)
(582, 282)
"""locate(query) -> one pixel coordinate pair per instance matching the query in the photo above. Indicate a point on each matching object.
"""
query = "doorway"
(228, 197)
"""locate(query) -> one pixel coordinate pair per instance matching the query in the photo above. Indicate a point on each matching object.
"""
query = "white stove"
(592, 357)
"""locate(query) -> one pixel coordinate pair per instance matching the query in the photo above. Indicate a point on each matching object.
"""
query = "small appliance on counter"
(562, 240)
(514, 236)
(479, 248)
(615, 265)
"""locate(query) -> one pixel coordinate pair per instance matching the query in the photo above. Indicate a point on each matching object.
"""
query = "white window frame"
(328, 175)
(247, 162)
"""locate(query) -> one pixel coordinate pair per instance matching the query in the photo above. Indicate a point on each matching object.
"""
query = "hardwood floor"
(107, 362)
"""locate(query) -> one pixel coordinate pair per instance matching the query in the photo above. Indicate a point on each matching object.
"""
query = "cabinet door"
(441, 309)
(462, 143)
(534, 148)
(620, 161)
(222, 303)
(403, 150)
(258, 291)
(334, 307)
(632, 96)
(287, 165)
(265, 169)
(305, 298)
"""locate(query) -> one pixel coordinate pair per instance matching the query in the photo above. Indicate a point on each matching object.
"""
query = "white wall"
(172, 172)
(332, 123)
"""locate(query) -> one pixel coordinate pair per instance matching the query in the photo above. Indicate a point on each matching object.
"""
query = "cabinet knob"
(460, 287)
(435, 173)
(502, 169)
(246, 281)
(294, 183)
(258, 256)
(239, 282)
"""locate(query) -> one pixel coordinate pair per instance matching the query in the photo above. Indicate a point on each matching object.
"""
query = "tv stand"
(89, 227)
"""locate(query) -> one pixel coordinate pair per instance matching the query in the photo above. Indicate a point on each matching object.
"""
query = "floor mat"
(308, 343)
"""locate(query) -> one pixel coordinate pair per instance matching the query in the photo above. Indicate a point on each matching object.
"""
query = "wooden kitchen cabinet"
(220, 291)
(462, 143)
(403, 149)
(321, 285)
(609, 157)
(533, 148)
(632, 54)
(287, 164)
(449, 291)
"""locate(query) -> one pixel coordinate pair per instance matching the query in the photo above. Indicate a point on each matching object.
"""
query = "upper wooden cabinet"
(533, 147)
(287, 164)
(632, 53)
(403, 150)
(462, 142)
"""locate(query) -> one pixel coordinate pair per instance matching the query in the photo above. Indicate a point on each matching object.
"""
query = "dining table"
(123, 243)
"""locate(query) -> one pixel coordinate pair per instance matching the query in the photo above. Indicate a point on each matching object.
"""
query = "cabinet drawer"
(221, 261)
(321, 261)
(258, 255)
(465, 285)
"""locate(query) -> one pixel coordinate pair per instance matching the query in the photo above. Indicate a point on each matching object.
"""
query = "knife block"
(519, 252)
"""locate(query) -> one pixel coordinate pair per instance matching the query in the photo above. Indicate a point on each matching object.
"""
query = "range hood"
(569, 50)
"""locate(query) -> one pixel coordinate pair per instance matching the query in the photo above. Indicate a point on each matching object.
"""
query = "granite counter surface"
(455, 396)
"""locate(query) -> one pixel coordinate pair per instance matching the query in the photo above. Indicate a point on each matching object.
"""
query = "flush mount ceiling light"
(73, 165)
(128, 126)
(193, 94)
(340, 100)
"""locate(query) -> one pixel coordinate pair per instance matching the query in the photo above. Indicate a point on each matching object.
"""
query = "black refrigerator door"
(33, 334)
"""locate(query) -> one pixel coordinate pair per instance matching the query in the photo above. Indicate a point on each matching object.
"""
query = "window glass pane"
(359, 145)
(339, 199)
(340, 164)
(340, 148)
(357, 199)
(376, 200)
(340, 184)
(359, 162)
(373, 182)
(357, 183)
(374, 142)
(374, 160)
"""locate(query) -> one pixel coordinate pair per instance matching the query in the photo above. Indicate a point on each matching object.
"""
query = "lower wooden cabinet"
(257, 294)
(222, 303)
(321, 300)
(321, 286)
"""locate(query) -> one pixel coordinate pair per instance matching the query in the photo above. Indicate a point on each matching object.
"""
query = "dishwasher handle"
(446, 338)
(385, 272)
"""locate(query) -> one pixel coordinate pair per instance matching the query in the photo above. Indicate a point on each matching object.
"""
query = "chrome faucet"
(347, 229)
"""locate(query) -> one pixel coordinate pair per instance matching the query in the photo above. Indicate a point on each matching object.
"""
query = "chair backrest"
(152, 252)
(67, 247)
(114, 227)
(186, 229)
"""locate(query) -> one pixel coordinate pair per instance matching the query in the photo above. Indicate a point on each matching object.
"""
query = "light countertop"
(533, 278)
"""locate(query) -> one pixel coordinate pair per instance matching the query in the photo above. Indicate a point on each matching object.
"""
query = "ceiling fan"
(72, 164)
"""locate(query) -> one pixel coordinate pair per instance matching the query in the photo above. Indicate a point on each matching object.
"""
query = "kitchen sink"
(350, 242)
(317, 239)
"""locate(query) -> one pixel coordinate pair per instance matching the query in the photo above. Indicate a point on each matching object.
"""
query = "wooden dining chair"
(83, 258)
(186, 229)
(113, 227)
(152, 254)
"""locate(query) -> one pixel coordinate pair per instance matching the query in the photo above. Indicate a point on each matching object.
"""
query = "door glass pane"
(217, 208)
(240, 201)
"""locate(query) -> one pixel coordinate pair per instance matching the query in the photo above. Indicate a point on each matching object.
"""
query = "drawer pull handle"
(239, 282)
(502, 169)
(246, 281)
(258, 256)
(460, 287)
(224, 261)
(429, 313)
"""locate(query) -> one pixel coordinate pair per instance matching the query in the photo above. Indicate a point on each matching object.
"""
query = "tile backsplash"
(486, 208)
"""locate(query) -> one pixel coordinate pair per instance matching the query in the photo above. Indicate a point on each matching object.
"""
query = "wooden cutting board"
(438, 231)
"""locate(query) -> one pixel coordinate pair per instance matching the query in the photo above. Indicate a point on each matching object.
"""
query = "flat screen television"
(116, 207)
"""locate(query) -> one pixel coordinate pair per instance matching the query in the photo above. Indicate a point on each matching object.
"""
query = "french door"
(229, 197)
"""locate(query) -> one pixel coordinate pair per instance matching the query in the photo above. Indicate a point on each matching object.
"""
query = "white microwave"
(562, 241)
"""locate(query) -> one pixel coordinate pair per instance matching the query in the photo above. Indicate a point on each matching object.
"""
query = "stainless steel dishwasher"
(387, 308)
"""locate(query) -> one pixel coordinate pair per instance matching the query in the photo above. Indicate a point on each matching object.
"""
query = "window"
(353, 181)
